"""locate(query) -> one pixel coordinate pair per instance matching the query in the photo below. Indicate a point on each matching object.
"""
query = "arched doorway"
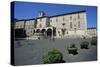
(49, 32)
(38, 31)
(43, 31)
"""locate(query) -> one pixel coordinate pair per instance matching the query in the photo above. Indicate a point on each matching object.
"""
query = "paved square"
(29, 52)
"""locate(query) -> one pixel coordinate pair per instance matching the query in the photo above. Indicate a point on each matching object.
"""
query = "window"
(78, 16)
(70, 24)
(70, 17)
(78, 24)
(63, 18)
(56, 20)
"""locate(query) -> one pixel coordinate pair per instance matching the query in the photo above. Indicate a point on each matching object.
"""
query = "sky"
(29, 10)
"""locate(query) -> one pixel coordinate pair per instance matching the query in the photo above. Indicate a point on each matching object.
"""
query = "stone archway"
(38, 31)
(49, 32)
(43, 32)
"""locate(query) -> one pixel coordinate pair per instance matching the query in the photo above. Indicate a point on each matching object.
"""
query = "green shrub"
(72, 45)
(72, 49)
(53, 56)
(94, 41)
(84, 44)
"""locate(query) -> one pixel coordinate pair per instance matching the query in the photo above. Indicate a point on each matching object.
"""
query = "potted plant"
(84, 45)
(94, 41)
(72, 49)
(53, 56)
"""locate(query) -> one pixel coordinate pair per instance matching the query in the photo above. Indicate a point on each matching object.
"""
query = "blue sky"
(28, 10)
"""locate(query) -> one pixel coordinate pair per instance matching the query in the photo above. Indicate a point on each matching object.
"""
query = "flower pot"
(72, 51)
(84, 46)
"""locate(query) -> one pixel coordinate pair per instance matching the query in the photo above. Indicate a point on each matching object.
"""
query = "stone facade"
(19, 24)
(73, 24)
(29, 27)
(92, 32)
(63, 25)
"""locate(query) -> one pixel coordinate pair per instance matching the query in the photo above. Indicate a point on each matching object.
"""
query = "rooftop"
(54, 15)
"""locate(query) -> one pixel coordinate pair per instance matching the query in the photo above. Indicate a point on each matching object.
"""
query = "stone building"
(92, 32)
(29, 27)
(72, 24)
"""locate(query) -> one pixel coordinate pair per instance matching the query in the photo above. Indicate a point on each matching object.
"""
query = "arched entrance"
(43, 31)
(38, 31)
(49, 32)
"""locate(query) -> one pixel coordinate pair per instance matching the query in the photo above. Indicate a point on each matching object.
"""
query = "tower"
(41, 14)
